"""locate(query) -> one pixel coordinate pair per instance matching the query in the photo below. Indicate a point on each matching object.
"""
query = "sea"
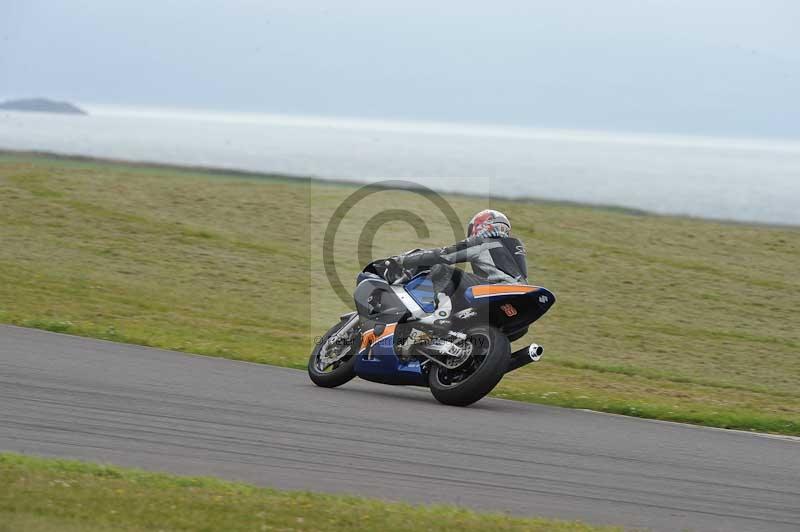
(736, 179)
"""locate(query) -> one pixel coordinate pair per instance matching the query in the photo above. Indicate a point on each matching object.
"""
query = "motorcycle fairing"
(369, 338)
(527, 304)
(378, 362)
(376, 301)
(420, 287)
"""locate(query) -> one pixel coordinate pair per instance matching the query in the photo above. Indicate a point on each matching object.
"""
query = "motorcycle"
(397, 336)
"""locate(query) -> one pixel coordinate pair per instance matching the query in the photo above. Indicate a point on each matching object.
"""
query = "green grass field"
(661, 317)
(46, 495)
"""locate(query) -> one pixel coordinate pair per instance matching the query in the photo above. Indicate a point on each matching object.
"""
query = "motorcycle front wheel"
(332, 362)
(470, 382)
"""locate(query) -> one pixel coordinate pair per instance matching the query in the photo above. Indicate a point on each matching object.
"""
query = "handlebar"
(388, 268)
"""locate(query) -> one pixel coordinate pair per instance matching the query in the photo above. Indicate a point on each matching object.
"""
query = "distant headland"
(42, 105)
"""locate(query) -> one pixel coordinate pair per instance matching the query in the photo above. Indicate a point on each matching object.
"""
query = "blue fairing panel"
(421, 289)
(383, 365)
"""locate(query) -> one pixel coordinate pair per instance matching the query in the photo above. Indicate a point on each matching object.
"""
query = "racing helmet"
(489, 223)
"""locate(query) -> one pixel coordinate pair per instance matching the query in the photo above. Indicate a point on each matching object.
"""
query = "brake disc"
(332, 352)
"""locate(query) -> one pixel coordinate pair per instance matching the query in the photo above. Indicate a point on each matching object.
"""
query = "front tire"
(341, 371)
(489, 364)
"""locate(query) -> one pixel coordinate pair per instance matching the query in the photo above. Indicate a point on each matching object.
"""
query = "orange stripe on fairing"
(368, 338)
(499, 290)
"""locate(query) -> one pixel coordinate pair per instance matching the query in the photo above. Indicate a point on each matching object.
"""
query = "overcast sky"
(722, 67)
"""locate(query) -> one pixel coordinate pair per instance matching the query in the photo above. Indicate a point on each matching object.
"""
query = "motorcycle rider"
(495, 257)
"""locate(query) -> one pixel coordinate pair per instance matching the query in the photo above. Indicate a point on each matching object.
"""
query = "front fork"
(352, 320)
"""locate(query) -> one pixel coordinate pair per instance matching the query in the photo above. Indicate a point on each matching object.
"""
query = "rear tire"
(483, 380)
(343, 370)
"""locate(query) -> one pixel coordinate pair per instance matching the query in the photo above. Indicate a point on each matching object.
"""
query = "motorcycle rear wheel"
(339, 372)
(473, 380)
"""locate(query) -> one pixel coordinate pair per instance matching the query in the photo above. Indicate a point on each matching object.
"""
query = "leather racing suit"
(494, 259)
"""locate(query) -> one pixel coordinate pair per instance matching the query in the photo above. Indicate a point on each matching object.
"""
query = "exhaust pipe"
(525, 356)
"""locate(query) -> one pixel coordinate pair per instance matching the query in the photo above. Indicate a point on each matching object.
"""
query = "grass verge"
(43, 495)
(663, 317)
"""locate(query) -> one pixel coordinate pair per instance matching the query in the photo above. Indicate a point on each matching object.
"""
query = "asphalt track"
(160, 410)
